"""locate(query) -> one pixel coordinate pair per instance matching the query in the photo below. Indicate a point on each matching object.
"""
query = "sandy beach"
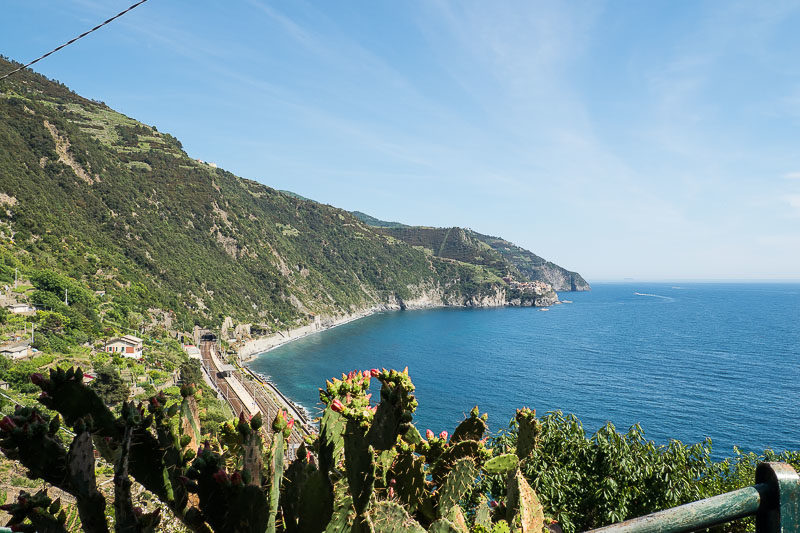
(254, 347)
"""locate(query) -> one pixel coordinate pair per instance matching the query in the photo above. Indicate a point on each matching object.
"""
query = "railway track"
(246, 393)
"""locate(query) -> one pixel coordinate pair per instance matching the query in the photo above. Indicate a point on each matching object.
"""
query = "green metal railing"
(774, 501)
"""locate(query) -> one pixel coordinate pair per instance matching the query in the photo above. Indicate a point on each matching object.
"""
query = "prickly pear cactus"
(390, 517)
(452, 453)
(226, 503)
(444, 525)
(65, 392)
(126, 517)
(30, 437)
(529, 429)
(501, 464)
(252, 453)
(472, 428)
(190, 420)
(395, 411)
(277, 451)
(522, 500)
(343, 515)
(457, 485)
(82, 482)
(306, 501)
(407, 479)
(483, 516)
(36, 513)
(368, 471)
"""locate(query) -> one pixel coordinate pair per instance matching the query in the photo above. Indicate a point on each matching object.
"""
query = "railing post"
(781, 512)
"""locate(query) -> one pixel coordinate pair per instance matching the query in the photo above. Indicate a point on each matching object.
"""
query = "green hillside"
(498, 255)
(376, 223)
(120, 206)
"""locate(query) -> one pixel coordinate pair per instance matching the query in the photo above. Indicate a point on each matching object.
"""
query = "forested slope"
(115, 203)
(498, 255)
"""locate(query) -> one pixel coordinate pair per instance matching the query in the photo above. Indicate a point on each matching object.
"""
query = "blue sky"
(652, 140)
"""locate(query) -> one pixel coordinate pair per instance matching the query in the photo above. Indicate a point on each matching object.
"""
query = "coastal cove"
(687, 362)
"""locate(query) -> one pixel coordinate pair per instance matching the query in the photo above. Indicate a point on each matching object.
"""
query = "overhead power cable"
(82, 35)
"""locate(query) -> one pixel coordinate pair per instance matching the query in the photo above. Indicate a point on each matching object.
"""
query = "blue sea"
(686, 361)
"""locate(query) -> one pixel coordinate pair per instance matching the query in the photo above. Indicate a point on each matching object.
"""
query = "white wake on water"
(667, 298)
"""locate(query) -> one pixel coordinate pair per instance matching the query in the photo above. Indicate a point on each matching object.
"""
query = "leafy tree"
(191, 372)
(135, 320)
(52, 322)
(109, 385)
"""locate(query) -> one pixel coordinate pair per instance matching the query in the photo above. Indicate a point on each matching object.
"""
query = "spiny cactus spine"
(472, 428)
(501, 464)
(523, 503)
(528, 430)
(460, 479)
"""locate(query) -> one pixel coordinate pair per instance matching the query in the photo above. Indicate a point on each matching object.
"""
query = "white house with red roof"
(128, 346)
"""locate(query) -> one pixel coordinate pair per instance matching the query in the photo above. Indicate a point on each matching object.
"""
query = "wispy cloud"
(792, 175)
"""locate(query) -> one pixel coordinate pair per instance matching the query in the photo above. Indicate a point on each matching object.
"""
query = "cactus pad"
(457, 484)
(502, 464)
(389, 517)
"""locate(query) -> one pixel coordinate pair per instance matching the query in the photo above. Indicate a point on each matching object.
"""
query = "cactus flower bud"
(367, 374)
(290, 423)
(391, 492)
(493, 504)
(429, 434)
(38, 379)
(236, 478)
(374, 372)
(443, 435)
(6, 424)
(337, 406)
